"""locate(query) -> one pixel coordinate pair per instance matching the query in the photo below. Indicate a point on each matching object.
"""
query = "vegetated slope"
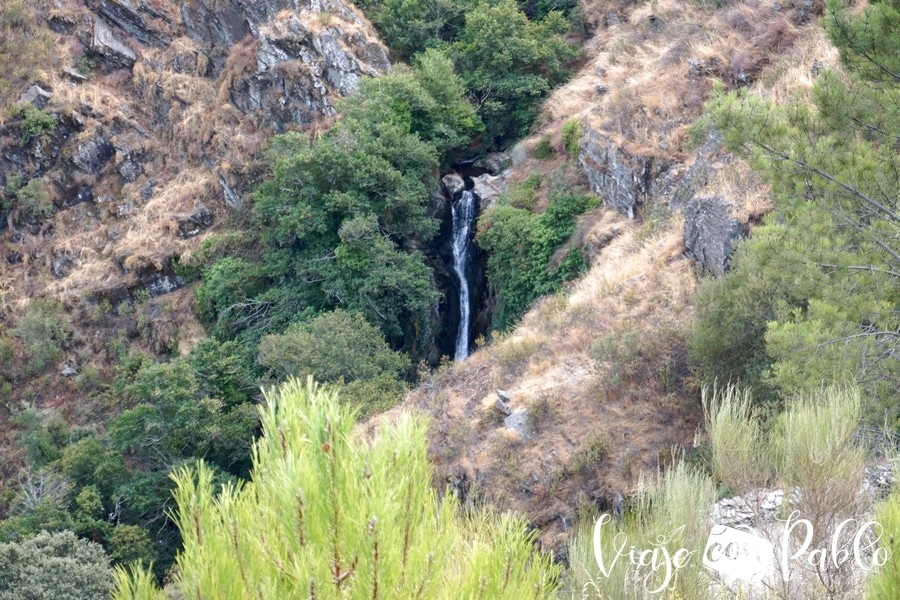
(598, 386)
(132, 144)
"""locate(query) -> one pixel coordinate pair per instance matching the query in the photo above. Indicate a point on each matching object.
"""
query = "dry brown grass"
(546, 364)
(657, 63)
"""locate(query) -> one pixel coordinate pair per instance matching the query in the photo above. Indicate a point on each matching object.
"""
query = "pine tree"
(813, 296)
(329, 515)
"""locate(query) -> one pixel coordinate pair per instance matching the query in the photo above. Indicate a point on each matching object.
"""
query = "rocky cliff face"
(149, 124)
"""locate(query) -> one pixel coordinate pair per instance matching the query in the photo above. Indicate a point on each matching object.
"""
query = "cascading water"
(463, 214)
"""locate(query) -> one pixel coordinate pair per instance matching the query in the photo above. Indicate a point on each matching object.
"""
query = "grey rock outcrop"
(92, 155)
(105, 44)
(711, 231)
(36, 96)
(626, 180)
(300, 64)
(126, 16)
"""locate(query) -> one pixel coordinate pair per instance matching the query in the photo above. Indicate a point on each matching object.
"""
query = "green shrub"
(544, 149)
(56, 566)
(571, 137)
(35, 200)
(520, 246)
(522, 195)
(35, 123)
(130, 543)
(884, 584)
(678, 497)
(739, 457)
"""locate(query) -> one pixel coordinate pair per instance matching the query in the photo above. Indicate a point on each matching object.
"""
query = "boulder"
(518, 422)
(710, 232)
(494, 163)
(36, 96)
(453, 184)
(487, 188)
(191, 224)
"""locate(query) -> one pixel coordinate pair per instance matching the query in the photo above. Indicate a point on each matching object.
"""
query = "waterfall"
(463, 215)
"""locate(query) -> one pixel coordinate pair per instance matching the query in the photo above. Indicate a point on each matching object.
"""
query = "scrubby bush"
(56, 566)
(331, 515)
(571, 137)
(44, 329)
(885, 583)
(544, 149)
(35, 123)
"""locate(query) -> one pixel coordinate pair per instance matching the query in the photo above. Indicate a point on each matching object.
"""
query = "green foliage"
(665, 515)
(410, 26)
(44, 330)
(35, 123)
(571, 137)
(330, 515)
(885, 583)
(171, 418)
(130, 543)
(34, 199)
(544, 149)
(522, 195)
(521, 245)
(55, 566)
(340, 218)
(227, 285)
(339, 347)
(739, 457)
(510, 64)
(812, 296)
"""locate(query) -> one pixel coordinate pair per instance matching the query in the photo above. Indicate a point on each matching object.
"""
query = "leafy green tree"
(56, 566)
(171, 419)
(510, 64)
(341, 217)
(330, 515)
(339, 347)
(130, 543)
(410, 26)
(813, 296)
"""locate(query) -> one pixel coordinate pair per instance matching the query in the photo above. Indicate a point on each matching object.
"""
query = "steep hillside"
(594, 390)
(133, 145)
